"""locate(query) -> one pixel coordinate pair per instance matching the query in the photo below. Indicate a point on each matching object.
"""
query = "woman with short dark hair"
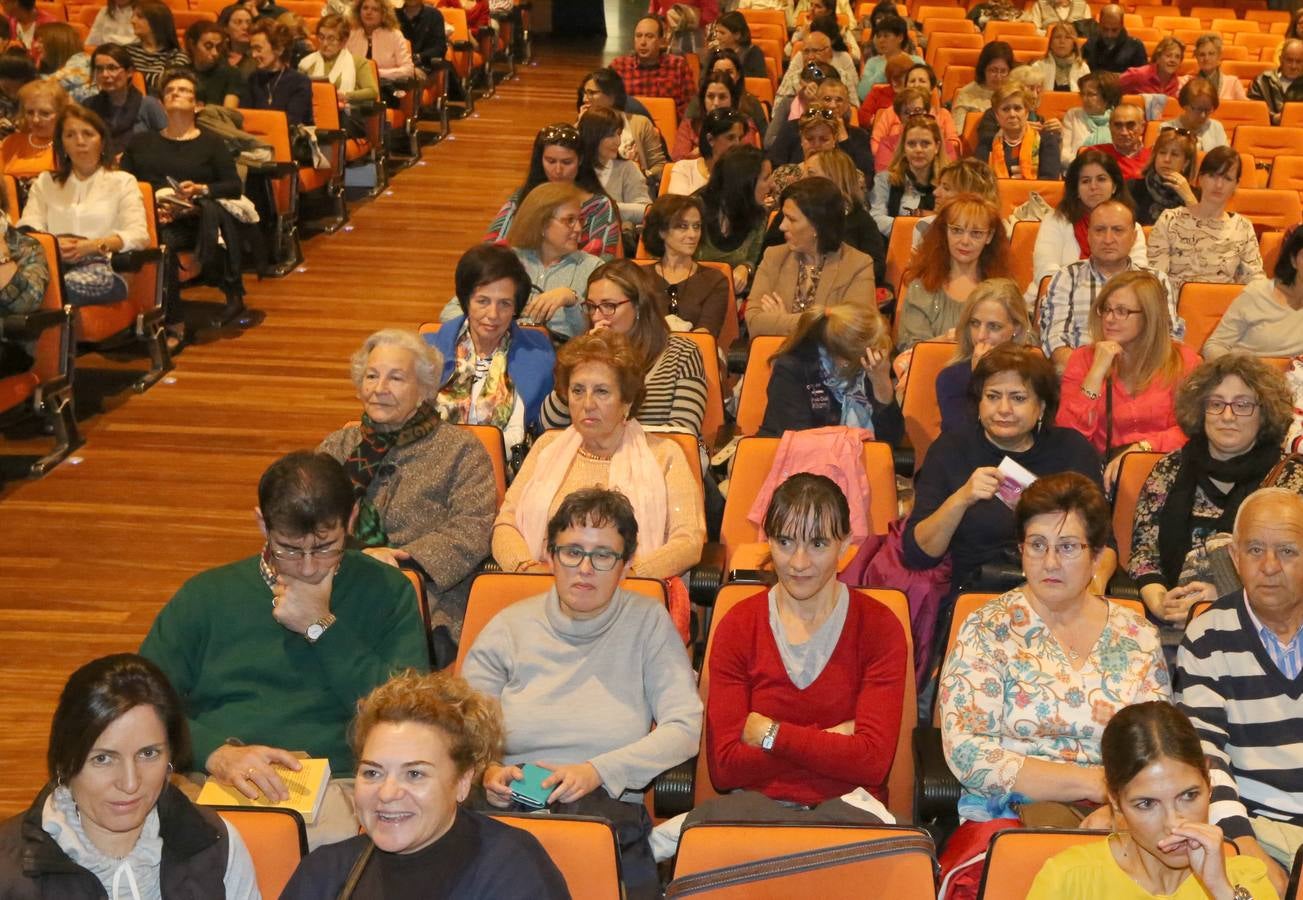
(731, 32)
(124, 110)
(814, 267)
(696, 296)
(109, 823)
(640, 141)
(722, 129)
(994, 63)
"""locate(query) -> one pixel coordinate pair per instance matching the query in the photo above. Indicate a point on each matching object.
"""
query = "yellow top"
(1089, 872)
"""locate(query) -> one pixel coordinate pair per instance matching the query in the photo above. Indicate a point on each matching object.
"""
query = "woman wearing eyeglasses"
(558, 157)
(1017, 150)
(124, 109)
(584, 670)
(1235, 411)
(1199, 100)
(1204, 241)
(994, 64)
(722, 129)
(30, 151)
(916, 98)
(695, 296)
(1036, 673)
(1120, 389)
(424, 488)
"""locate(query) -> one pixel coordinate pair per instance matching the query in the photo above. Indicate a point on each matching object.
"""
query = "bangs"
(804, 519)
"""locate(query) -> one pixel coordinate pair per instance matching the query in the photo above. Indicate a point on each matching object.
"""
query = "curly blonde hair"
(471, 721)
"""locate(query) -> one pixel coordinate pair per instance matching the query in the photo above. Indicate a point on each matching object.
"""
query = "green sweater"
(242, 675)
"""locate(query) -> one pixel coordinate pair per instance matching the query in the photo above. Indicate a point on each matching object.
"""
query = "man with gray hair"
(1283, 84)
(1240, 680)
(1111, 49)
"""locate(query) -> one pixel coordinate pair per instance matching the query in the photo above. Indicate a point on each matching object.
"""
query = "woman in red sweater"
(806, 679)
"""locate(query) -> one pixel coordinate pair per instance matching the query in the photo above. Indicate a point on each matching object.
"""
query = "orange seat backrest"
(1292, 117)
(714, 418)
(1268, 207)
(325, 105)
(1234, 113)
(1014, 858)
(900, 246)
(583, 848)
(1235, 26)
(952, 40)
(955, 77)
(492, 592)
(751, 465)
(1021, 246)
(934, 27)
(1054, 104)
(939, 12)
(1268, 142)
(664, 114)
(98, 322)
(755, 383)
(900, 780)
(919, 405)
(1270, 245)
(765, 17)
(705, 846)
(490, 437)
(1287, 173)
(1202, 307)
(1132, 474)
(276, 840)
(999, 31)
(760, 88)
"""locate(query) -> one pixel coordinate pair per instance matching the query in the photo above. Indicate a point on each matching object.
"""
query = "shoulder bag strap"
(1108, 418)
(355, 873)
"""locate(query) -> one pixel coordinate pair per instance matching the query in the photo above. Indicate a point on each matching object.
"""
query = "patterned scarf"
(498, 397)
(1029, 155)
(365, 461)
(851, 393)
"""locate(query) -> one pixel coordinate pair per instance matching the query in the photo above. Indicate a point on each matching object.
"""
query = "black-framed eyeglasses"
(572, 556)
(606, 308)
(1215, 406)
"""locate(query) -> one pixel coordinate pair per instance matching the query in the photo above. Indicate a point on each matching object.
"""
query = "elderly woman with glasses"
(1035, 673)
(1208, 57)
(1199, 100)
(1235, 411)
(30, 151)
(424, 488)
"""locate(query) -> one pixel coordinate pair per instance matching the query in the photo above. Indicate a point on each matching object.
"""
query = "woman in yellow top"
(29, 151)
(1162, 845)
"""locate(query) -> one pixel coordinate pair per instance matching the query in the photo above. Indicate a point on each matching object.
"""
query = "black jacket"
(195, 849)
(798, 399)
(1124, 52)
(786, 148)
(425, 31)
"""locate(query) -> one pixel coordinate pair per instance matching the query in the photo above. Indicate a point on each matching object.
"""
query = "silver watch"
(767, 742)
(318, 628)
(1241, 893)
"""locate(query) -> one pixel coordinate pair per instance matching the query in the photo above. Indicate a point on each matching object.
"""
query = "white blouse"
(107, 203)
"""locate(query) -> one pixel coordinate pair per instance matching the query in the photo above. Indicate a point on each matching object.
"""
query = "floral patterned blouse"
(1144, 565)
(1008, 692)
(1223, 250)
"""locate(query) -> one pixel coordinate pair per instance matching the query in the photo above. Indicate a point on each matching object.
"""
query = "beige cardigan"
(847, 278)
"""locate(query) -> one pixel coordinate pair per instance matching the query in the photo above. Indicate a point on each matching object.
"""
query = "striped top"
(675, 392)
(1249, 716)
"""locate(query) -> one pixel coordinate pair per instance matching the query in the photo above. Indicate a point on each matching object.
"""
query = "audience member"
(557, 158)
(276, 84)
(272, 651)
(1204, 241)
(721, 130)
(1153, 762)
(237, 20)
(1046, 15)
(124, 110)
(377, 36)
(1283, 84)
(93, 210)
(1236, 669)
(24, 16)
(1061, 68)
(108, 815)
(112, 24)
(880, 97)
(219, 83)
(850, 139)
(1045, 646)
(621, 179)
(889, 36)
(1017, 149)
(818, 130)
(734, 231)
(1198, 99)
(732, 32)
(994, 314)
(814, 268)
(16, 70)
(640, 142)
(1065, 311)
(695, 296)
(421, 742)
(583, 671)
(809, 11)
(907, 186)
(1263, 320)
(156, 49)
(834, 369)
(58, 48)
(651, 72)
(823, 45)
(355, 81)
(807, 679)
(725, 62)
(29, 151)
(494, 372)
(956, 508)
(994, 64)
(424, 28)
(718, 91)
(24, 277)
(1126, 125)
(1088, 124)
(965, 246)
(1120, 389)
(1235, 412)
(787, 109)
(1165, 182)
(1110, 48)
(965, 175)
(1208, 58)
(622, 298)
(1159, 76)
(916, 98)
(1063, 238)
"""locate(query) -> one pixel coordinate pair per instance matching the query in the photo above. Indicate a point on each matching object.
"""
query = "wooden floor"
(165, 485)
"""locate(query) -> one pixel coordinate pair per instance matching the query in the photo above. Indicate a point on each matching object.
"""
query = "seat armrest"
(330, 135)
(134, 260)
(30, 326)
(462, 45)
(673, 789)
(1121, 585)
(936, 790)
(704, 579)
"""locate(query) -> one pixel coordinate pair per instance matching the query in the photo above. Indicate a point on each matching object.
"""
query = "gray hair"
(1206, 39)
(427, 361)
(1262, 495)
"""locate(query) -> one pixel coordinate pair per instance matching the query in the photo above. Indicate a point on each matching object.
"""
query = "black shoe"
(233, 312)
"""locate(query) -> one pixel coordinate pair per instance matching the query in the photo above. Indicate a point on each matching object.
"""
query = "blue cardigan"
(530, 362)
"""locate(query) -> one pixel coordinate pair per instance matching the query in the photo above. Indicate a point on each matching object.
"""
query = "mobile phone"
(528, 790)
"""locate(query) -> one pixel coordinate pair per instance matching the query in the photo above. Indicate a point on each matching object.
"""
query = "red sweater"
(864, 680)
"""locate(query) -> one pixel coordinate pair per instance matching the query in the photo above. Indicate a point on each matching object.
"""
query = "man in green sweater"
(274, 651)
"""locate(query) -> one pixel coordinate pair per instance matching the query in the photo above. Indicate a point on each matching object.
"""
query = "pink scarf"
(634, 471)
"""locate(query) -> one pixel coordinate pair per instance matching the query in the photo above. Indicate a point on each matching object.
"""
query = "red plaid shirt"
(668, 78)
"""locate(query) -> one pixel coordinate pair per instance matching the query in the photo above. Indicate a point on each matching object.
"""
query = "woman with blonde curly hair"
(421, 741)
(965, 246)
(835, 369)
(994, 314)
(1120, 389)
(1235, 411)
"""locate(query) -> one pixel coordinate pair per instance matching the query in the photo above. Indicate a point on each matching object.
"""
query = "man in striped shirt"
(1238, 680)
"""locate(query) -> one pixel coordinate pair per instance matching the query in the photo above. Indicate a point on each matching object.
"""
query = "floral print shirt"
(1222, 250)
(1008, 693)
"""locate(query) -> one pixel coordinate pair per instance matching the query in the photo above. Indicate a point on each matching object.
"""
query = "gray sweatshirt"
(1256, 323)
(590, 690)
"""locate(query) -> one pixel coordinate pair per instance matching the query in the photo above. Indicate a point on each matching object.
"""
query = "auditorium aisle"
(166, 482)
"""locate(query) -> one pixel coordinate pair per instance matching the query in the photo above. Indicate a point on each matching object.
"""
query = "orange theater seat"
(919, 405)
(583, 848)
(1132, 473)
(1202, 306)
(334, 144)
(273, 128)
(277, 842)
(755, 383)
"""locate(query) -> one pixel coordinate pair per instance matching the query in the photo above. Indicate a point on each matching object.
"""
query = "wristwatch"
(767, 742)
(318, 628)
